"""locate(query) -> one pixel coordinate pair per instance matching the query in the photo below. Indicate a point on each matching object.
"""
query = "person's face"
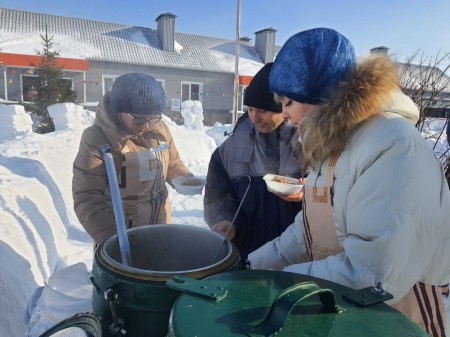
(295, 111)
(138, 124)
(265, 121)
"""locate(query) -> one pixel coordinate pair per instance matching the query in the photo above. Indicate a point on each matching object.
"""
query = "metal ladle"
(124, 244)
(235, 216)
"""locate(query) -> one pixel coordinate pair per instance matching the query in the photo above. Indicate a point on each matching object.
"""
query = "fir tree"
(50, 87)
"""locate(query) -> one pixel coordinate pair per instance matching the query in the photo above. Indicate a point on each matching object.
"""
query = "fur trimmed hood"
(371, 88)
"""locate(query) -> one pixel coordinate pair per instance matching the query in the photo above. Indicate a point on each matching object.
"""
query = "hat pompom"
(311, 64)
(258, 94)
(137, 93)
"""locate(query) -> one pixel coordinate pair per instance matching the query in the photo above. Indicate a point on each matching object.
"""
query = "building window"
(162, 82)
(191, 91)
(29, 88)
(241, 94)
(29, 85)
(68, 83)
(108, 81)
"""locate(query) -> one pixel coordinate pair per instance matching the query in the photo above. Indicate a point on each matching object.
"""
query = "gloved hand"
(222, 228)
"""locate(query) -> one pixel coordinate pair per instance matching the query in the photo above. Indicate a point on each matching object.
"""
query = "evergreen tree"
(50, 86)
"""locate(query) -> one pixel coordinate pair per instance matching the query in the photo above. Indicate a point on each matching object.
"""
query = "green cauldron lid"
(269, 303)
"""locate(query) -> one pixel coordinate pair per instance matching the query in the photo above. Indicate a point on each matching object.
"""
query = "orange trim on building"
(245, 80)
(22, 60)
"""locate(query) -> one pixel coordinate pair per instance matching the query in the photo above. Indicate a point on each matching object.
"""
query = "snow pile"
(14, 121)
(40, 234)
(65, 115)
(67, 292)
(220, 132)
(192, 112)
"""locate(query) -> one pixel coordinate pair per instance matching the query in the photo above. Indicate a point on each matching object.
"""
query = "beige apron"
(423, 304)
(318, 218)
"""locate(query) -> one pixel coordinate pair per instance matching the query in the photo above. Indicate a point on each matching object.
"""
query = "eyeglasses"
(141, 120)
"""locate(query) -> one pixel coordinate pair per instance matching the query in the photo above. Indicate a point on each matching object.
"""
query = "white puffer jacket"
(391, 201)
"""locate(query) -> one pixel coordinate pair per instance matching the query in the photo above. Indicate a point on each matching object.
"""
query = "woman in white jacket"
(376, 204)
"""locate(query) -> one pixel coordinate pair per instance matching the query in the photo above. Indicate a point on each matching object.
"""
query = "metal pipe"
(236, 66)
(117, 205)
(235, 216)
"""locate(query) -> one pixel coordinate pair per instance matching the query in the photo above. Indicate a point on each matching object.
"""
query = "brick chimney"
(265, 44)
(166, 31)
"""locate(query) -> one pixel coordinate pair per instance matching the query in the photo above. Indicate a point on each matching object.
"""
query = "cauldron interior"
(171, 248)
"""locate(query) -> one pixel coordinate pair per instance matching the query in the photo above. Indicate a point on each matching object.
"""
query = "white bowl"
(180, 181)
(283, 188)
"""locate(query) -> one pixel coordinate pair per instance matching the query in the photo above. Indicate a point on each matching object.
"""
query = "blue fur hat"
(311, 64)
(137, 93)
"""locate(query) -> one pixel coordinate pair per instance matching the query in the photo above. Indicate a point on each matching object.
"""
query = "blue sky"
(404, 26)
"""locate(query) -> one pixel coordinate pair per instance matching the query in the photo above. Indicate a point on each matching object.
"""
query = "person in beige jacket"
(376, 206)
(145, 157)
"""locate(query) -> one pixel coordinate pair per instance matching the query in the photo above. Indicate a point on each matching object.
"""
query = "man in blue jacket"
(262, 143)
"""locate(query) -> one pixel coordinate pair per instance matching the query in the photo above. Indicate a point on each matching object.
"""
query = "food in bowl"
(188, 185)
(282, 184)
(283, 180)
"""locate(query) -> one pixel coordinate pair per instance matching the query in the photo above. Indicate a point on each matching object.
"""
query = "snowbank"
(40, 234)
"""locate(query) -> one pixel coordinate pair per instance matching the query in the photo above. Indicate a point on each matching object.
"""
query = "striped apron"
(423, 304)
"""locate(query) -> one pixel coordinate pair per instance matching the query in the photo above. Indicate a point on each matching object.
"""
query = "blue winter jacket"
(238, 162)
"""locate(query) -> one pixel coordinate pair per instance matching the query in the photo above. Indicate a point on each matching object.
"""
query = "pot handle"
(287, 300)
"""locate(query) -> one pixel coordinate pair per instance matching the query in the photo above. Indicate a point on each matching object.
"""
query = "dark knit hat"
(137, 93)
(311, 64)
(258, 94)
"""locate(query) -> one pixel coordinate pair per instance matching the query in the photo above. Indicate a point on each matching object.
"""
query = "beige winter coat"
(142, 172)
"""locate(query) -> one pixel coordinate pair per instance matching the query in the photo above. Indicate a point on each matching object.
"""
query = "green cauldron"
(175, 289)
(249, 303)
(135, 300)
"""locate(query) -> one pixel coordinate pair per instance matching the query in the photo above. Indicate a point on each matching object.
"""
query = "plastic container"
(189, 185)
(292, 187)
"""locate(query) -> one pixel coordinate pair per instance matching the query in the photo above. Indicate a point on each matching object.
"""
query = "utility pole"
(236, 65)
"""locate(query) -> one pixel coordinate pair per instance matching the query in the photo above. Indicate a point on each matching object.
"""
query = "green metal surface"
(367, 296)
(142, 307)
(199, 288)
(316, 309)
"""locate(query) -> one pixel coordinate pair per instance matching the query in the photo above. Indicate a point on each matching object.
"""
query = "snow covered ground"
(39, 232)
(45, 254)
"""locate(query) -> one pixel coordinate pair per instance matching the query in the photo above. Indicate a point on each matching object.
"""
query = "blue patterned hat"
(311, 64)
(137, 93)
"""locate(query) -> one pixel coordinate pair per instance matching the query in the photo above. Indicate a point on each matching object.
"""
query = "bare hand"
(222, 228)
(294, 197)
